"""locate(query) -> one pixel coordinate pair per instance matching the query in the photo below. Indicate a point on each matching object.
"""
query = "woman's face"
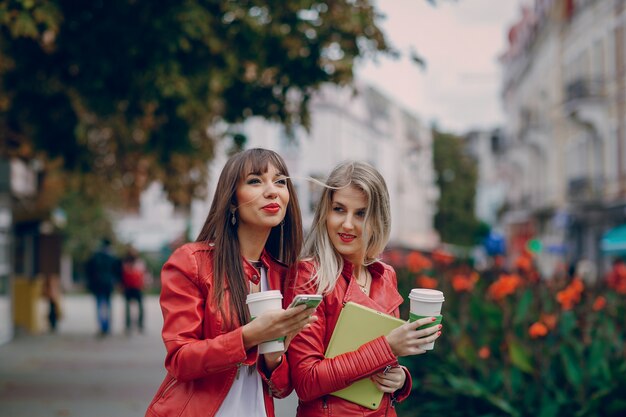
(345, 222)
(262, 199)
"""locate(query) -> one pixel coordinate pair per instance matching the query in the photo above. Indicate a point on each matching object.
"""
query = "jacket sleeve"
(279, 381)
(189, 354)
(313, 375)
(404, 392)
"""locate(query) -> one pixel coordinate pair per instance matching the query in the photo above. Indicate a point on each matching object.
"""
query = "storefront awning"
(614, 241)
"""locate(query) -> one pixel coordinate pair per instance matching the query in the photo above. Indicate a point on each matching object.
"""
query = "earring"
(233, 219)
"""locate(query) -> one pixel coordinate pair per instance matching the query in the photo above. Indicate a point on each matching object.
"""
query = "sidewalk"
(75, 374)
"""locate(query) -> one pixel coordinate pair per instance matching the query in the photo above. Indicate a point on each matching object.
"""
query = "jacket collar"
(252, 273)
(383, 296)
(376, 269)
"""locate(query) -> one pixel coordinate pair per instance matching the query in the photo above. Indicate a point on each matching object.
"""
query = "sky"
(460, 40)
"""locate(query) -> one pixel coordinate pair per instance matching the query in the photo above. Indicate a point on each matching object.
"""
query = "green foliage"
(456, 178)
(133, 91)
(493, 360)
(87, 224)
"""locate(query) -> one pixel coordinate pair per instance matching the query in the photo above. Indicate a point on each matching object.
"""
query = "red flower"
(463, 282)
(570, 296)
(394, 257)
(524, 262)
(537, 329)
(416, 262)
(443, 257)
(505, 285)
(599, 303)
(549, 320)
(484, 352)
(424, 281)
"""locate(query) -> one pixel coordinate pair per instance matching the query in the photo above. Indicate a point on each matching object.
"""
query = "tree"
(124, 92)
(456, 177)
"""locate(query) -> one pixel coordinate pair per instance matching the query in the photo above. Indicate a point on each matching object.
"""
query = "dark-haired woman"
(251, 237)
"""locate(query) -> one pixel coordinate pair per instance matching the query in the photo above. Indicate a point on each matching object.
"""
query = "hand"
(406, 340)
(277, 323)
(391, 381)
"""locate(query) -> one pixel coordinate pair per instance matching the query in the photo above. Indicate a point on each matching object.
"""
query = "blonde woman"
(350, 229)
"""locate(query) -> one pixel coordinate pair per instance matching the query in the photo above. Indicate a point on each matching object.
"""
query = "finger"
(294, 311)
(384, 388)
(288, 339)
(430, 338)
(301, 325)
(385, 382)
(380, 387)
(427, 331)
(421, 322)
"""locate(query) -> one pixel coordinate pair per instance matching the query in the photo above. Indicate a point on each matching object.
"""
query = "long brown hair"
(284, 242)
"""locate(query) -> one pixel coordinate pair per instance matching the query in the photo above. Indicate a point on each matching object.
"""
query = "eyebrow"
(259, 174)
(343, 205)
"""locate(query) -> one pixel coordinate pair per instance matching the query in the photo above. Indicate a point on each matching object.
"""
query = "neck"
(252, 242)
(359, 271)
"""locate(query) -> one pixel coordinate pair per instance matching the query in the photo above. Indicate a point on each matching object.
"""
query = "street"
(73, 373)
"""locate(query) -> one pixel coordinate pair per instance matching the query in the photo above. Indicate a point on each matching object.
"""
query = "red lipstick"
(272, 208)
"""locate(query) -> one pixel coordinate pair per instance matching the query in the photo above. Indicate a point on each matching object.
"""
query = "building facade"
(563, 94)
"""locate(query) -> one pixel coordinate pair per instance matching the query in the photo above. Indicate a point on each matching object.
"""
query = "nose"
(271, 191)
(348, 223)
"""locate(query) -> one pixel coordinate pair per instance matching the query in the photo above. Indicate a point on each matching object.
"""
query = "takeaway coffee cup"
(259, 303)
(426, 303)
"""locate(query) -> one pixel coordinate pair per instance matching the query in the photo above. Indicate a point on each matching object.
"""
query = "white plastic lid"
(263, 295)
(426, 295)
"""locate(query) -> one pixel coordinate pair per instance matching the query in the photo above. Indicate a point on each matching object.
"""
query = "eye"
(253, 180)
(281, 181)
(361, 213)
(338, 209)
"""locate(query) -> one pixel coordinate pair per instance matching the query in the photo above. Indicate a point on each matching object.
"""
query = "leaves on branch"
(126, 91)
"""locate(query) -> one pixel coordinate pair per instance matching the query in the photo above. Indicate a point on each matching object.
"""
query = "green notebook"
(356, 326)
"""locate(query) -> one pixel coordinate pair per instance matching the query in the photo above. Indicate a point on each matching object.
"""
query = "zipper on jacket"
(238, 369)
(387, 368)
(168, 387)
(271, 388)
(324, 403)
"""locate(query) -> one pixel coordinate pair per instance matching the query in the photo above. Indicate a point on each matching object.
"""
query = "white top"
(245, 397)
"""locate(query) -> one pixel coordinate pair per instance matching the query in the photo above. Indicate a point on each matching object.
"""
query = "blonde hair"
(377, 225)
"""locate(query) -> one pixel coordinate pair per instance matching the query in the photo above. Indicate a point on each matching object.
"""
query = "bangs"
(258, 161)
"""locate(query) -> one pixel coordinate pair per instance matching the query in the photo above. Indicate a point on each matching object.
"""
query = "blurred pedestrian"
(349, 232)
(52, 293)
(251, 236)
(133, 281)
(104, 271)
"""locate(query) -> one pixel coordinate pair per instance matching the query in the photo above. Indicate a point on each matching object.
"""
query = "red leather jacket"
(314, 376)
(202, 358)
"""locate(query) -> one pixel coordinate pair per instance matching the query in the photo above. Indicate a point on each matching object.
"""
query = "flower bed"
(515, 343)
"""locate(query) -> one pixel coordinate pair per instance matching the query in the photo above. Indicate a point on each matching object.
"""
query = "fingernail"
(440, 326)
(438, 333)
(433, 319)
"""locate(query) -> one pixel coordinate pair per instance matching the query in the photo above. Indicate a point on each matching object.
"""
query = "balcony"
(584, 88)
(585, 189)
(585, 102)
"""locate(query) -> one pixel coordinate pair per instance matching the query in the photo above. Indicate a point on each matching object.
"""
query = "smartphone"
(311, 300)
